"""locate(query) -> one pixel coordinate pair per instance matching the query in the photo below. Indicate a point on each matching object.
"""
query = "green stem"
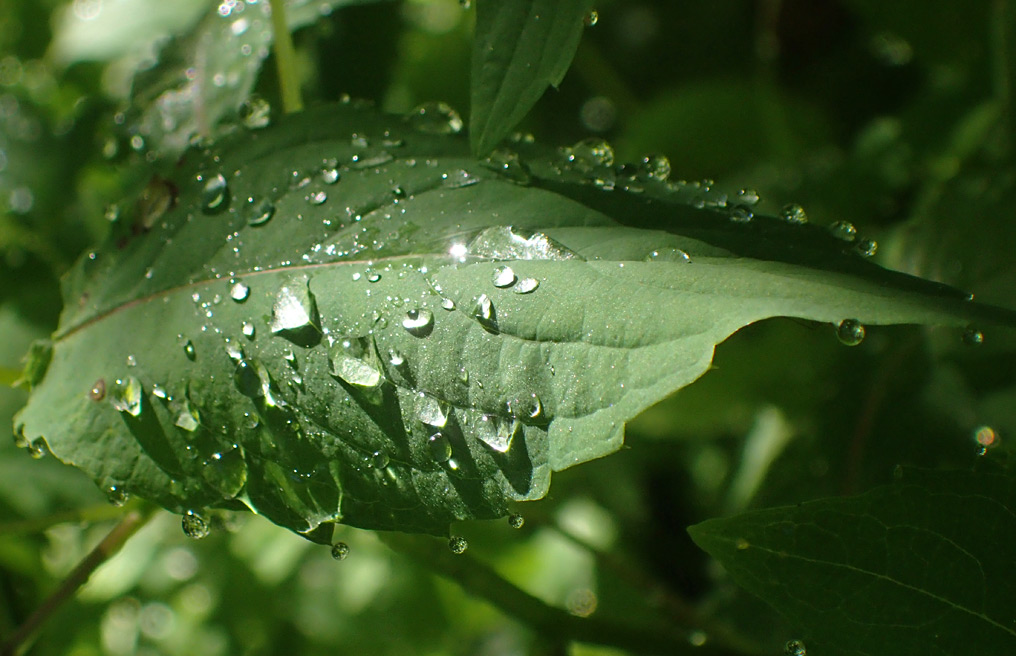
(102, 552)
(285, 60)
(552, 624)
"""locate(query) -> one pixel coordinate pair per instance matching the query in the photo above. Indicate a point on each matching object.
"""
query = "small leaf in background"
(921, 566)
(521, 47)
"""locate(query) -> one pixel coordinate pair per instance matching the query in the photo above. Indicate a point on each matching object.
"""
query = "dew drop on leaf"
(188, 350)
(239, 292)
(373, 276)
(795, 648)
(98, 391)
(843, 230)
(435, 118)
(116, 495)
(188, 418)
(295, 315)
(458, 179)
(37, 448)
(419, 322)
(589, 154)
(215, 192)
(794, 213)
(747, 197)
(867, 247)
(317, 198)
(431, 411)
(448, 304)
(497, 433)
(440, 447)
(330, 175)
(526, 285)
(194, 525)
(741, 214)
(973, 337)
(349, 361)
(850, 332)
(340, 550)
(483, 311)
(516, 520)
(591, 19)
(255, 113)
(126, 396)
(248, 330)
(503, 276)
(260, 213)
(458, 544)
(379, 460)
(251, 379)
(655, 167)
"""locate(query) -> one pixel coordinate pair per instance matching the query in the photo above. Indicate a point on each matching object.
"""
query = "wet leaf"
(346, 318)
(521, 47)
(917, 567)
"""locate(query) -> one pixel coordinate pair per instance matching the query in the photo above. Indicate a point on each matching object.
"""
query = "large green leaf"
(913, 568)
(521, 47)
(346, 318)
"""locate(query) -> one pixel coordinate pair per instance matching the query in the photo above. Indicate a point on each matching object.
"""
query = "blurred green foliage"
(895, 116)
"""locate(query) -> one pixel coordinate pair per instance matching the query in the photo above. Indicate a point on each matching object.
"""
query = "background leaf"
(521, 47)
(909, 568)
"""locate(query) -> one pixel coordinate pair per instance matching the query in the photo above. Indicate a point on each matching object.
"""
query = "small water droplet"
(215, 193)
(255, 113)
(526, 286)
(132, 361)
(655, 167)
(419, 322)
(379, 460)
(340, 550)
(317, 198)
(248, 330)
(37, 448)
(435, 118)
(117, 495)
(194, 525)
(458, 544)
(795, 648)
(126, 396)
(516, 520)
(458, 179)
(843, 230)
(260, 213)
(188, 350)
(590, 153)
(741, 214)
(373, 276)
(483, 311)
(239, 292)
(440, 447)
(850, 332)
(866, 247)
(507, 163)
(98, 391)
(794, 213)
(532, 408)
(747, 197)
(591, 19)
(448, 304)
(330, 175)
(159, 392)
(973, 337)
(503, 276)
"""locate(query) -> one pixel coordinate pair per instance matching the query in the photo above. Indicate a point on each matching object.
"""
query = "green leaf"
(521, 46)
(346, 318)
(913, 568)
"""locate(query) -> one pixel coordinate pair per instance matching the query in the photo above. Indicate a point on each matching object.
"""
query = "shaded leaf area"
(345, 318)
(916, 567)
(521, 48)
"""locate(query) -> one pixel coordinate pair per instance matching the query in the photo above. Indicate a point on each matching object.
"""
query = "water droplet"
(655, 167)
(866, 247)
(419, 322)
(747, 197)
(117, 495)
(351, 360)
(160, 393)
(395, 358)
(239, 292)
(458, 544)
(496, 432)
(255, 113)
(590, 153)
(503, 276)
(850, 332)
(531, 408)
(591, 19)
(248, 330)
(132, 361)
(373, 276)
(502, 243)
(668, 255)
(188, 350)
(483, 311)
(37, 448)
(986, 437)
(973, 337)
(194, 525)
(126, 396)
(448, 304)
(526, 286)
(379, 460)
(794, 213)
(215, 193)
(435, 118)
(843, 230)
(516, 520)
(440, 447)
(457, 179)
(295, 314)
(741, 214)
(330, 175)
(98, 391)
(340, 550)
(260, 213)
(188, 418)
(795, 648)
(251, 379)
(317, 198)
(431, 411)
(507, 163)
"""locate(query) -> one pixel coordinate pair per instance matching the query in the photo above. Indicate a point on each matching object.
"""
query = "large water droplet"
(741, 214)
(435, 118)
(340, 550)
(843, 230)
(351, 360)
(248, 330)
(458, 544)
(850, 332)
(502, 243)
(866, 247)
(590, 153)
(496, 432)
(431, 411)
(379, 460)
(440, 447)
(260, 213)
(483, 311)
(795, 648)
(503, 276)
(188, 418)
(317, 198)
(516, 520)
(330, 175)
(194, 525)
(295, 314)
(126, 396)
(255, 113)
(214, 193)
(419, 322)
(239, 291)
(793, 213)
(591, 19)
(655, 167)
(252, 379)
(526, 286)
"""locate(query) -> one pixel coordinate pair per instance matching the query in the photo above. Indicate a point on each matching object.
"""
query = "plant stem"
(553, 624)
(285, 60)
(102, 552)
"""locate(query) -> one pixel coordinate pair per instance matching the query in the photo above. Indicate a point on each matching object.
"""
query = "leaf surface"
(520, 47)
(346, 318)
(913, 568)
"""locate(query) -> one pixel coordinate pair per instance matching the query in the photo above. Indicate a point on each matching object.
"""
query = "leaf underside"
(918, 567)
(327, 334)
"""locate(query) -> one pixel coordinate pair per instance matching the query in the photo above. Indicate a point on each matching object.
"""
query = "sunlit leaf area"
(507, 327)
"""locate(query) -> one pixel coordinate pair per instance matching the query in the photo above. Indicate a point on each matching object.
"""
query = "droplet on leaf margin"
(340, 551)
(794, 213)
(516, 520)
(795, 648)
(458, 544)
(844, 231)
(194, 525)
(850, 332)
